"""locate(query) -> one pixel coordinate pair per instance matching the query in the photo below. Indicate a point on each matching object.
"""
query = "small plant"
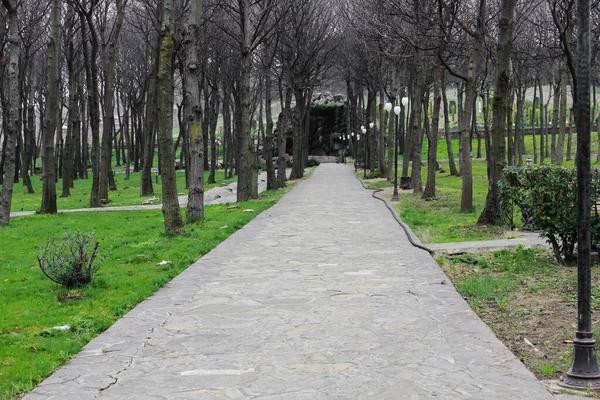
(70, 262)
(547, 369)
(312, 162)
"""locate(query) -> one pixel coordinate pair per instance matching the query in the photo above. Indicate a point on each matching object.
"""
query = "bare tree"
(14, 122)
(193, 113)
(51, 112)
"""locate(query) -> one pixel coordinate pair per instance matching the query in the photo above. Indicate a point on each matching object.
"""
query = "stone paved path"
(320, 297)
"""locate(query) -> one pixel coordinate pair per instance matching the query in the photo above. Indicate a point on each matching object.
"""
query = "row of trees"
(85, 64)
(112, 72)
(494, 51)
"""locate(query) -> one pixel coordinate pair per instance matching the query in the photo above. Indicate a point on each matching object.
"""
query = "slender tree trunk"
(511, 143)
(535, 154)
(451, 163)
(519, 125)
(417, 136)
(555, 108)
(170, 205)
(85, 155)
(109, 95)
(382, 125)
(429, 192)
(214, 112)
(282, 137)
(245, 156)
(29, 146)
(13, 113)
(268, 140)
(195, 207)
(298, 129)
(542, 123)
(562, 123)
(227, 133)
(492, 211)
(146, 186)
(91, 67)
(485, 99)
(51, 110)
(569, 135)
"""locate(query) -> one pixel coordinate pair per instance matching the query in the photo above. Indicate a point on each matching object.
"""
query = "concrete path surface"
(320, 297)
(525, 239)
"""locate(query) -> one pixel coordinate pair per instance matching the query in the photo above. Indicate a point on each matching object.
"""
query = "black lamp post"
(355, 153)
(584, 373)
(405, 180)
(395, 197)
(364, 131)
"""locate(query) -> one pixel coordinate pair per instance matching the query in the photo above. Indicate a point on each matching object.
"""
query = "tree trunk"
(569, 135)
(510, 133)
(146, 187)
(193, 116)
(417, 136)
(485, 100)
(382, 125)
(245, 149)
(91, 68)
(268, 139)
(50, 112)
(535, 154)
(429, 192)
(13, 113)
(170, 205)
(519, 125)
(451, 163)
(282, 137)
(555, 108)
(29, 145)
(214, 119)
(492, 212)
(109, 95)
(542, 123)
(298, 130)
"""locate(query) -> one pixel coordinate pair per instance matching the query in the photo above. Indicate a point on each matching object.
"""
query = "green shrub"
(71, 262)
(374, 174)
(313, 162)
(548, 194)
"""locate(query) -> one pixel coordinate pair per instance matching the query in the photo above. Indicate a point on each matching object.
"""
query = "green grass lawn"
(440, 220)
(127, 194)
(442, 151)
(133, 243)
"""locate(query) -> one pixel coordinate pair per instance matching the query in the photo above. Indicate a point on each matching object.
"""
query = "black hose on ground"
(396, 217)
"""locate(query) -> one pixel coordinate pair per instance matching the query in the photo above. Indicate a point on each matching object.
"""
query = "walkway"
(320, 297)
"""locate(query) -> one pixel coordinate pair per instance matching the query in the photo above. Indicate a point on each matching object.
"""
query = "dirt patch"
(537, 320)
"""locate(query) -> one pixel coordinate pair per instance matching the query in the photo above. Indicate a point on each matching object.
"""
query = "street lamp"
(395, 197)
(364, 131)
(404, 181)
(355, 155)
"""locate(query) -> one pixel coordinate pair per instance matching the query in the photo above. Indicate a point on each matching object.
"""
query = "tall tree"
(51, 112)
(170, 206)
(13, 122)
(193, 113)
(492, 213)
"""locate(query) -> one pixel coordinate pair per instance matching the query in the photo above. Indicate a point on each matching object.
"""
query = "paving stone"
(320, 297)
